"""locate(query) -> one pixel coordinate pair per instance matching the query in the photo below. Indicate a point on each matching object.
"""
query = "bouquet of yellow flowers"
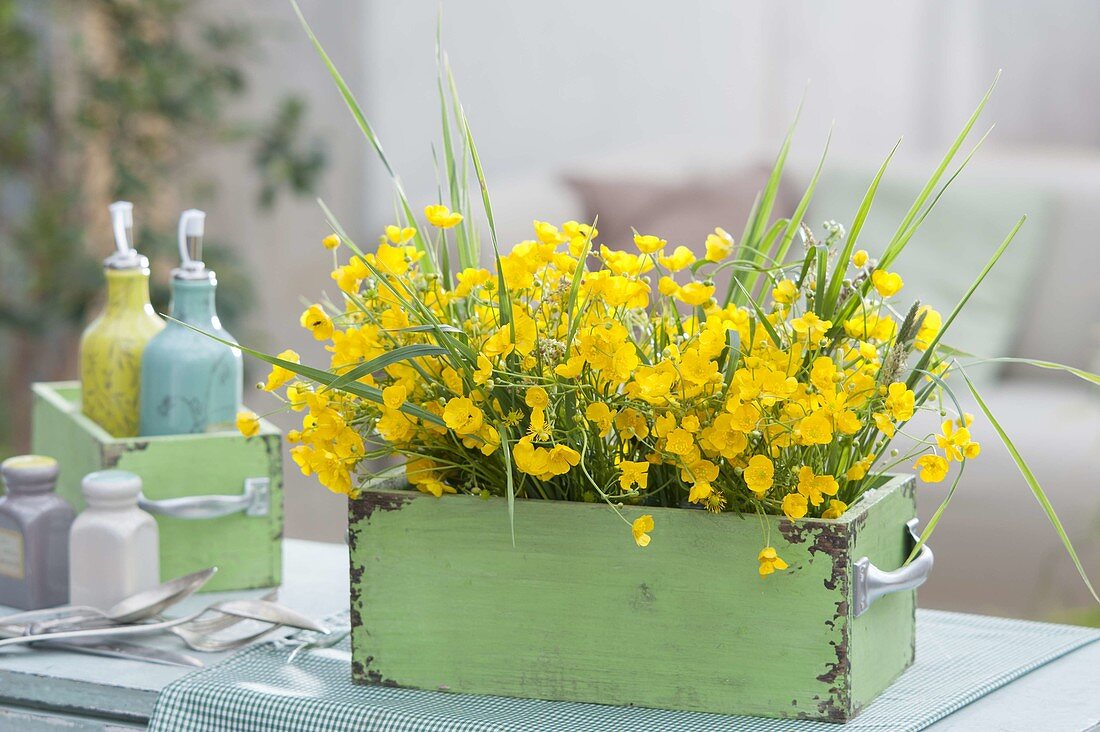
(765, 374)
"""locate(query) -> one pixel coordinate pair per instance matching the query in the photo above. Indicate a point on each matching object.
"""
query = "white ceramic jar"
(114, 546)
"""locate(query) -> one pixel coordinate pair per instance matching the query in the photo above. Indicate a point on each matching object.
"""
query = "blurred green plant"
(106, 100)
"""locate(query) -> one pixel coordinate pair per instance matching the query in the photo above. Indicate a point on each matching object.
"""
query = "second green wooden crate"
(217, 497)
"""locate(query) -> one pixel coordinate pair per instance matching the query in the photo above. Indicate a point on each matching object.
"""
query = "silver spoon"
(253, 609)
(139, 606)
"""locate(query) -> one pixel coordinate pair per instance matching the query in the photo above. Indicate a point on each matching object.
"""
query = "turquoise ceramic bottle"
(189, 382)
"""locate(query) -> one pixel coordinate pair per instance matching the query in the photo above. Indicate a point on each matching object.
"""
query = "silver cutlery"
(252, 609)
(139, 606)
(128, 651)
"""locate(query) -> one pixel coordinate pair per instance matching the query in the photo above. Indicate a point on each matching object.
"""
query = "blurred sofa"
(995, 551)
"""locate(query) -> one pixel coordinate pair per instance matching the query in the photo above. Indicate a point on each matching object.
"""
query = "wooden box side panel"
(883, 638)
(54, 433)
(247, 550)
(442, 600)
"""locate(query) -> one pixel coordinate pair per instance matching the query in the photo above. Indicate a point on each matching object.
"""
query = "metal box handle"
(252, 501)
(871, 583)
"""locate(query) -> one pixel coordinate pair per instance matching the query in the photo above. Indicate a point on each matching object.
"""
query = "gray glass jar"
(34, 535)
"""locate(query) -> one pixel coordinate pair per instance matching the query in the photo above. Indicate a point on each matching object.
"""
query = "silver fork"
(195, 634)
(202, 642)
(223, 621)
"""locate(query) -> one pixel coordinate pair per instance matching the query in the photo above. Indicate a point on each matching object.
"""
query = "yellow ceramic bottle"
(111, 347)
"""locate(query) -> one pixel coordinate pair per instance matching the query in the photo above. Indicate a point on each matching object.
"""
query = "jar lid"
(110, 485)
(29, 470)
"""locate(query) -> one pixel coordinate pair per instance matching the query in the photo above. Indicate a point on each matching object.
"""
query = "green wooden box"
(575, 611)
(217, 497)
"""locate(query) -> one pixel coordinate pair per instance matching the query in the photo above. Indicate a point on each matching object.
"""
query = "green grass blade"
(820, 278)
(402, 353)
(462, 236)
(762, 318)
(946, 161)
(505, 299)
(800, 212)
(321, 376)
(364, 125)
(897, 246)
(928, 530)
(506, 451)
(862, 212)
(1036, 489)
(922, 364)
(575, 287)
(762, 211)
(1079, 373)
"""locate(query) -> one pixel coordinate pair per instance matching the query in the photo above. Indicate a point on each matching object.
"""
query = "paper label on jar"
(11, 553)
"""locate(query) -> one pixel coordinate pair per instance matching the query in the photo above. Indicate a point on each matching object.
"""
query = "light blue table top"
(45, 689)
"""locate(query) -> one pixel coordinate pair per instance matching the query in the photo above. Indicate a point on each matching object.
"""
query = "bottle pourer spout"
(192, 226)
(122, 224)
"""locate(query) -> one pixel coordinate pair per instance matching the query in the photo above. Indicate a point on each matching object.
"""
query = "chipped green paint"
(247, 550)
(575, 611)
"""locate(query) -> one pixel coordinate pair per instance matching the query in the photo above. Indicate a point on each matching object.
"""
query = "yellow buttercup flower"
(536, 397)
(770, 561)
(929, 328)
(578, 234)
(571, 369)
(667, 286)
(601, 415)
(900, 401)
(886, 283)
(811, 328)
(700, 492)
(933, 468)
(681, 258)
(815, 487)
(956, 443)
(859, 258)
(816, 429)
(279, 375)
(835, 510)
(641, 528)
(859, 470)
(648, 244)
(548, 233)
(317, 322)
(718, 245)
(679, 442)
(394, 396)
(400, 235)
(695, 293)
(633, 474)
(331, 241)
(759, 474)
(786, 292)
(435, 487)
(484, 370)
(883, 423)
(248, 423)
(463, 416)
(442, 217)
(794, 505)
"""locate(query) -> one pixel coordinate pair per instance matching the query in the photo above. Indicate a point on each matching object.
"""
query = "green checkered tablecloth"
(266, 688)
